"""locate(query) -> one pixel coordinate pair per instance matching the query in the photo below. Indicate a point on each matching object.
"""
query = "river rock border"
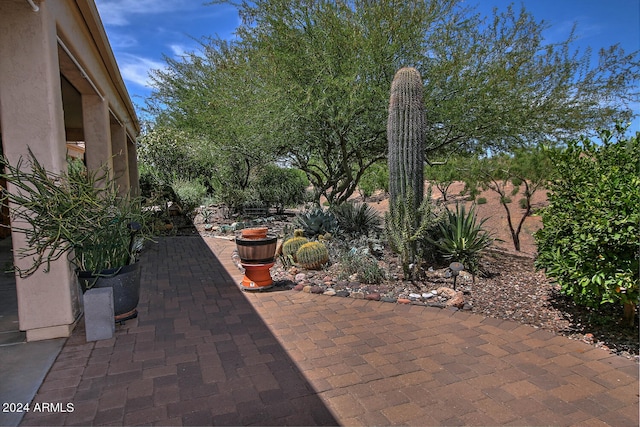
(317, 282)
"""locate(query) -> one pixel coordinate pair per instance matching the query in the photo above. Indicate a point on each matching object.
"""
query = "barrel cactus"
(405, 136)
(312, 255)
(290, 247)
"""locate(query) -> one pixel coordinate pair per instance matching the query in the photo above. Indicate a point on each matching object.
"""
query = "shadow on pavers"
(198, 354)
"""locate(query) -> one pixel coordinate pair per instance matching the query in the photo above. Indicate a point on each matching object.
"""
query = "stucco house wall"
(60, 83)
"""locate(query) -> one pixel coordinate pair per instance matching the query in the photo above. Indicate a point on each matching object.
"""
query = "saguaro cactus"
(405, 136)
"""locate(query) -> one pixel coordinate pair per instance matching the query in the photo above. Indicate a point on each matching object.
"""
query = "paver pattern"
(203, 352)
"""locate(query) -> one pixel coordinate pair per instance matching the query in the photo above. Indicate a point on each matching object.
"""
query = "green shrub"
(357, 219)
(591, 235)
(462, 238)
(376, 177)
(232, 197)
(189, 193)
(481, 200)
(281, 187)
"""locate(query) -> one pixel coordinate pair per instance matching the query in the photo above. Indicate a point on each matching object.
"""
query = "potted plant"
(81, 215)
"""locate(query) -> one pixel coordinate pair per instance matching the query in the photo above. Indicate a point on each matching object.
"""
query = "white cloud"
(122, 12)
(135, 69)
(122, 41)
(178, 49)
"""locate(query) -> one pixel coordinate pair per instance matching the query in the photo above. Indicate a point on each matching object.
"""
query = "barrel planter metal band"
(256, 251)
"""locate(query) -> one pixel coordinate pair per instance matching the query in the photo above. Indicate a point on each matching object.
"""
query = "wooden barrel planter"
(256, 251)
(256, 256)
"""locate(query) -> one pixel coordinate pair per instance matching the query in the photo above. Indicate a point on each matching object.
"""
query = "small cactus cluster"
(290, 247)
(312, 255)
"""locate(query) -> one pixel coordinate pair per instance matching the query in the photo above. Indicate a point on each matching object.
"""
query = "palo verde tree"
(308, 82)
(590, 241)
(443, 173)
(520, 174)
(213, 96)
(491, 82)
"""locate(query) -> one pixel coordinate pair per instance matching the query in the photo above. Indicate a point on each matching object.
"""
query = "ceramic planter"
(125, 282)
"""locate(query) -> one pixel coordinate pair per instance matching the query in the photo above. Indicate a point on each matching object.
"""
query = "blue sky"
(142, 31)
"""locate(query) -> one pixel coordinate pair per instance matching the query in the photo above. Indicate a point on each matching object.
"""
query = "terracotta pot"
(256, 251)
(257, 276)
(255, 233)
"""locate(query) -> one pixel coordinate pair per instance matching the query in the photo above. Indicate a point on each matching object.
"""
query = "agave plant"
(357, 219)
(462, 238)
(316, 221)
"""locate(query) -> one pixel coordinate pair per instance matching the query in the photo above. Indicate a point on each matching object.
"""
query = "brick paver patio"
(202, 352)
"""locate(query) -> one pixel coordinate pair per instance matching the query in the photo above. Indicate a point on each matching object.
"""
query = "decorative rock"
(373, 297)
(436, 304)
(357, 295)
(317, 289)
(354, 284)
(427, 295)
(327, 279)
(414, 297)
(298, 287)
(467, 306)
(300, 277)
(404, 301)
(330, 292)
(388, 299)
(456, 298)
(307, 289)
(342, 284)
(342, 293)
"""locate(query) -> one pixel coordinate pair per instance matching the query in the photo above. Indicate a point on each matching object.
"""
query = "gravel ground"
(514, 290)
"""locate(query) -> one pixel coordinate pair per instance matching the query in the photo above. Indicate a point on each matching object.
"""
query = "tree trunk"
(629, 313)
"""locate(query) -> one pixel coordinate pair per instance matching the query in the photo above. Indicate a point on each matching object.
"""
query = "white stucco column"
(32, 116)
(97, 132)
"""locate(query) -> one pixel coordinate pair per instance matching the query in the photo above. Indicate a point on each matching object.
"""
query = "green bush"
(281, 187)
(462, 238)
(376, 177)
(481, 200)
(189, 193)
(357, 219)
(591, 235)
